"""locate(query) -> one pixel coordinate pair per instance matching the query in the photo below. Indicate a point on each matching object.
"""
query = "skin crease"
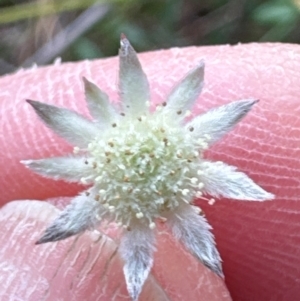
(258, 242)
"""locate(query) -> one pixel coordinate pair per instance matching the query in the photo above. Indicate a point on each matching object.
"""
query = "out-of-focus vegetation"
(41, 30)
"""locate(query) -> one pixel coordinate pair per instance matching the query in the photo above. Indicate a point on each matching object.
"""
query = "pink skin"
(259, 242)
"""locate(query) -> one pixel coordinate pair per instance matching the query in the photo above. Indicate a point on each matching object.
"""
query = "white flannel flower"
(141, 167)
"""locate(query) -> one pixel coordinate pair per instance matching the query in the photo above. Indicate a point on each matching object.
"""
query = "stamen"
(185, 192)
(76, 150)
(84, 181)
(211, 201)
(194, 180)
(139, 215)
(199, 194)
(200, 185)
(152, 225)
(188, 113)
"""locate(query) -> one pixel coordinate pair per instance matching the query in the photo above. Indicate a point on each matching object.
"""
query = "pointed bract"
(186, 92)
(66, 123)
(133, 83)
(71, 169)
(219, 121)
(82, 214)
(193, 231)
(99, 105)
(136, 248)
(223, 180)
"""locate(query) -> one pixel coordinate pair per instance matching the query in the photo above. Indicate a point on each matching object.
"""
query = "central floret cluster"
(141, 165)
(145, 167)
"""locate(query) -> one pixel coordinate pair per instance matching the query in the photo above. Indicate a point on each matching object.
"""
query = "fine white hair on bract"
(143, 166)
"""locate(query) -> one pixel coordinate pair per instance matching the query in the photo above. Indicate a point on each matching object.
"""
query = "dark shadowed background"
(41, 31)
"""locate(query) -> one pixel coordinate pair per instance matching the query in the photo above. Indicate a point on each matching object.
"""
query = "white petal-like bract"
(68, 124)
(219, 121)
(133, 83)
(193, 231)
(99, 105)
(136, 248)
(186, 92)
(81, 214)
(71, 169)
(223, 180)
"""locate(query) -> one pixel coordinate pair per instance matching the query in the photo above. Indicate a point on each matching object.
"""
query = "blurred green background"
(40, 31)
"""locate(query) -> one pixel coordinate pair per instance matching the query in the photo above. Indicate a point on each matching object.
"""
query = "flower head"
(141, 166)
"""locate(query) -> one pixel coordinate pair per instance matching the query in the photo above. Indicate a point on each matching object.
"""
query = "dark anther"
(191, 129)
(110, 144)
(179, 112)
(122, 114)
(164, 104)
(114, 125)
(87, 193)
(139, 119)
(108, 160)
(86, 162)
